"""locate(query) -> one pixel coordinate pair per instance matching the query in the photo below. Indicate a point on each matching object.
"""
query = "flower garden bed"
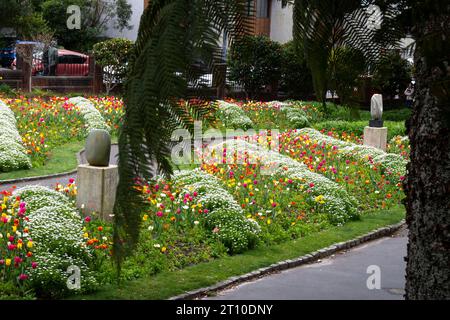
(47, 124)
(371, 175)
(262, 198)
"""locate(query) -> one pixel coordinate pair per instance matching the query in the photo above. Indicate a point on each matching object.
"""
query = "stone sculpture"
(376, 111)
(98, 148)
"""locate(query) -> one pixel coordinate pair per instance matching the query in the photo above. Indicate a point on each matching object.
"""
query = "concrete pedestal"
(376, 137)
(97, 189)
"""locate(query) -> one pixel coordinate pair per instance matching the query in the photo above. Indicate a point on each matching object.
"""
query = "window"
(262, 8)
(250, 7)
(71, 59)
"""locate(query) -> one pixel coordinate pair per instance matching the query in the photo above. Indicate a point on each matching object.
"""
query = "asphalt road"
(343, 276)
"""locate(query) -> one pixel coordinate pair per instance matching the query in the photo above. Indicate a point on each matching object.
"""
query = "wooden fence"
(20, 79)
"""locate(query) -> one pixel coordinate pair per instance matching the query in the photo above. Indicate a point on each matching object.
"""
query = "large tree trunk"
(427, 185)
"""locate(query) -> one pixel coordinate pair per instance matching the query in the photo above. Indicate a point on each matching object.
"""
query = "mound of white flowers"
(225, 215)
(56, 228)
(392, 163)
(339, 205)
(13, 154)
(296, 117)
(232, 116)
(92, 117)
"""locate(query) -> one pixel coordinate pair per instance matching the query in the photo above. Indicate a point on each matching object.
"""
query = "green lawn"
(167, 284)
(62, 159)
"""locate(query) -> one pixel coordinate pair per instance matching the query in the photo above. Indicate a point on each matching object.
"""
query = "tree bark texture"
(427, 185)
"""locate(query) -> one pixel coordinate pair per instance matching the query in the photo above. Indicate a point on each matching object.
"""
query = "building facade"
(270, 19)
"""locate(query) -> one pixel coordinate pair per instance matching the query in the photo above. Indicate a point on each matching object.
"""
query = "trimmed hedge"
(357, 127)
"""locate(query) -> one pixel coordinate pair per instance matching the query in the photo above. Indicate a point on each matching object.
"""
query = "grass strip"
(62, 159)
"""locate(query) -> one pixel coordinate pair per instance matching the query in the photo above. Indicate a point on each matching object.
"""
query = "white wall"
(280, 22)
(138, 8)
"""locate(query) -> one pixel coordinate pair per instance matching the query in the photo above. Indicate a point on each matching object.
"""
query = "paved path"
(51, 182)
(342, 276)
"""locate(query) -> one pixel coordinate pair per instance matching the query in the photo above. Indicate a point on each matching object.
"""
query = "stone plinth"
(97, 189)
(376, 137)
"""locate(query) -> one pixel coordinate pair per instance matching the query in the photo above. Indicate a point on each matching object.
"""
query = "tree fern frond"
(174, 36)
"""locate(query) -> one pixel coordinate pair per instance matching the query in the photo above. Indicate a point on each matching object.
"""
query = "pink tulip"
(23, 277)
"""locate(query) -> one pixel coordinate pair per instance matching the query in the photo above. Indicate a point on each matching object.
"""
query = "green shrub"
(348, 64)
(113, 55)
(357, 127)
(296, 79)
(255, 62)
(7, 90)
(392, 75)
(397, 115)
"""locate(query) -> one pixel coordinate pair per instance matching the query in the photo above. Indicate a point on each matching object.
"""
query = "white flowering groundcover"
(56, 228)
(237, 233)
(296, 117)
(92, 117)
(232, 116)
(339, 205)
(13, 154)
(392, 163)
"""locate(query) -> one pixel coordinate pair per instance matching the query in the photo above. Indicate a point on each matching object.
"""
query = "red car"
(70, 63)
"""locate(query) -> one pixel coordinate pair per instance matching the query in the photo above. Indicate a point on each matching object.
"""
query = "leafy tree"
(296, 78)
(95, 16)
(255, 62)
(347, 65)
(173, 36)
(323, 27)
(21, 16)
(392, 75)
(113, 55)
